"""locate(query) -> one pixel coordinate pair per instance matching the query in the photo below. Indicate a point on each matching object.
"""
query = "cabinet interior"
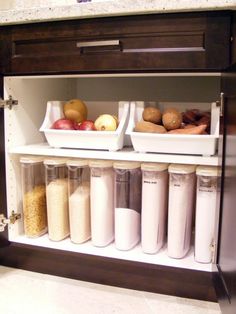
(22, 136)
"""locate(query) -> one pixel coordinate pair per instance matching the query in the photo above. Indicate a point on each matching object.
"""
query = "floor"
(23, 292)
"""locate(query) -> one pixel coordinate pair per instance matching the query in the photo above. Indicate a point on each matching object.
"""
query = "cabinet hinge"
(8, 103)
(213, 249)
(11, 220)
(220, 103)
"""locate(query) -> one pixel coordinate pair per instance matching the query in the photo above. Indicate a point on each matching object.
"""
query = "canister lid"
(31, 159)
(209, 171)
(154, 166)
(78, 162)
(100, 163)
(181, 169)
(126, 165)
(55, 161)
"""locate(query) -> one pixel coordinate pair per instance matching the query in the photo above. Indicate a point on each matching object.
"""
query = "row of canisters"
(121, 201)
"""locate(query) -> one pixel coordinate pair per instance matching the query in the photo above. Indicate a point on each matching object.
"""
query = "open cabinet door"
(225, 276)
(3, 205)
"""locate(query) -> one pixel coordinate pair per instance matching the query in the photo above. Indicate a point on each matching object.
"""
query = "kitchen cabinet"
(170, 58)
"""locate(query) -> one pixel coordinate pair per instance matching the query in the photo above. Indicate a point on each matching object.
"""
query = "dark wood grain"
(190, 41)
(114, 272)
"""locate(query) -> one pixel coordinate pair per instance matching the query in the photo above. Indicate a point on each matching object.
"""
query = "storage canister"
(34, 196)
(154, 206)
(206, 203)
(57, 198)
(102, 202)
(128, 190)
(180, 208)
(79, 200)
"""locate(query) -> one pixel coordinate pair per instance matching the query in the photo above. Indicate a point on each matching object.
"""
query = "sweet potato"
(149, 127)
(191, 131)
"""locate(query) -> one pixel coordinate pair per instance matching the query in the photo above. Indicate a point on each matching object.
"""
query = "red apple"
(87, 125)
(63, 124)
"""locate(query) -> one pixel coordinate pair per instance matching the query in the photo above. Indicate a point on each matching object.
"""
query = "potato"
(76, 110)
(172, 119)
(152, 114)
(149, 127)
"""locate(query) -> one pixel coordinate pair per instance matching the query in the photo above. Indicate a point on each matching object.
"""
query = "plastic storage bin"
(107, 140)
(154, 206)
(173, 143)
(34, 196)
(79, 200)
(57, 198)
(206, 203)
(102, 202)
(180, 209)
(128, 191)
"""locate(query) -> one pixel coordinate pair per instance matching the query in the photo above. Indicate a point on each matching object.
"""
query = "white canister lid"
(78, 162)
(126, 165)
(181, 169)
(209, 171)
(31, 159)
(154, 166)
(100, 163)
(55, 161)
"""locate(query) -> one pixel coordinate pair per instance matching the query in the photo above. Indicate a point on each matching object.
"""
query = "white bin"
(180, 209)
(206, 202)
(154, 206)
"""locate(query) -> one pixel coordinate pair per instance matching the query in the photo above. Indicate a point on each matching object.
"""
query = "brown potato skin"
(152, 114)
(193, 130)
(149, 127)
(172, 119)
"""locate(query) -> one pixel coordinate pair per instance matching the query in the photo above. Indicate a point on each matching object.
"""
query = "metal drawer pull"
(98, 43)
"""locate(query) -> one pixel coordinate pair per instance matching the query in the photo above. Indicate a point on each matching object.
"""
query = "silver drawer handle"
(98, 43)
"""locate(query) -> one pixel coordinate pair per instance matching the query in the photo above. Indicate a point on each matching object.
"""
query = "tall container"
(180, 208)
(128, 191)
(57, 198)
(206, 203)
(34, 196)
(154, 206)
(79, 200)
(102, 202)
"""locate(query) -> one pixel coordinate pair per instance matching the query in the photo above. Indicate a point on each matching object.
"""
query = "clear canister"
(154, 206)
(34, 196)
(102, 202)
(128, 191)
(79, 200)
(180, 208)
(57, 198)
(206, 203)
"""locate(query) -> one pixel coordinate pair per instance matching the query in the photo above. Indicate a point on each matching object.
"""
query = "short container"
(180, 208)
(173, 143)
(102, 202)
(206, 204)
(79, 200)
(34, 196)
(128, 191)
(105, 140)
(57, 198)
(154, 206)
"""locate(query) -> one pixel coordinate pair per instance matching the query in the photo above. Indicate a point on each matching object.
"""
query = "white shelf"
(110, 251)
(44, 149)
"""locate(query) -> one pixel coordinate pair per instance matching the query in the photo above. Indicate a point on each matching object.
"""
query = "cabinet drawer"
(190, 41)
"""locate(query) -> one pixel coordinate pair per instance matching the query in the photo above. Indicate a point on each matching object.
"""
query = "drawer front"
(190, 41)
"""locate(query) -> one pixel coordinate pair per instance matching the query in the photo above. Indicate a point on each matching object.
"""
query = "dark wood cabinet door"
(164, 42)
(225, 276)
(3, 205)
